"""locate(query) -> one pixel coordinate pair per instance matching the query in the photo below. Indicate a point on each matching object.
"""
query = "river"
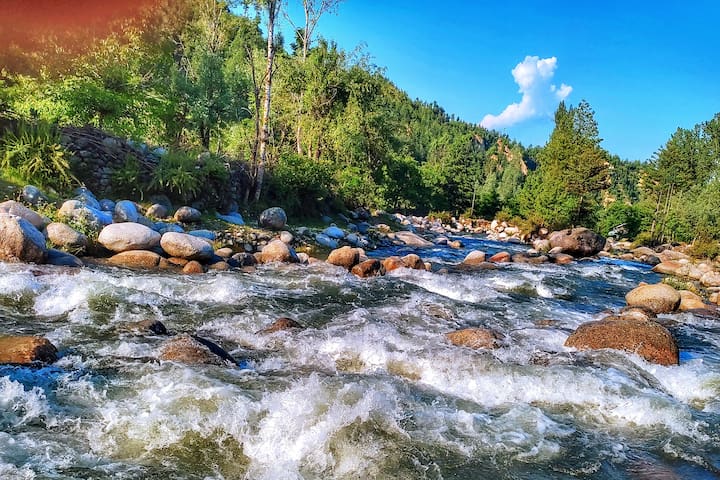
(370, 389)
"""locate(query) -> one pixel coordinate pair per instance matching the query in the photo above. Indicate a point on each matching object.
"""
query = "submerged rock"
(20, 241)
(658, 298)
(282, 323)
(192, 349)
(578, 242)
(368, 268)
(474, 338)
(24, 350)
(648, 339)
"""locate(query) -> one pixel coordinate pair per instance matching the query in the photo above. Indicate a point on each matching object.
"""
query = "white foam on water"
(471, 289)
(19, 406)
(17, 284)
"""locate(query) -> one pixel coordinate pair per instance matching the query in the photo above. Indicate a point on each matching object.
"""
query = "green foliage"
(620, 216)
(300, 184)
(32, 151)
(184, 175)
(125, 180)
(705, 247)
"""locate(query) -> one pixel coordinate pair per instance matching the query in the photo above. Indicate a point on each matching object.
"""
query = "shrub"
(705, 247)
(445, 217)
(32, 152)
(299, 183)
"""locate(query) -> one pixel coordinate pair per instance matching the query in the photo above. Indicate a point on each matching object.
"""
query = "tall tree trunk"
(273, 7)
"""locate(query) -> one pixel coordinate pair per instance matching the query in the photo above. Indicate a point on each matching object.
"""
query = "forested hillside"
(320, 128)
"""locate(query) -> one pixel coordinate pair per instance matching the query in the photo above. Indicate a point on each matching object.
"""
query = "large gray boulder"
(16, 208)
(273, 218)
(410, 239)
(186, 246)
(20, 241)
(122, 237)
(578, 242)
(77, 210)
(187, 215)
(65, 237)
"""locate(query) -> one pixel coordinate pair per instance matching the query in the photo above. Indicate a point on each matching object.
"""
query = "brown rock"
(278, 251)
(578, 242)
(193, 267)
(219, 266)
(282, 323)
(368, 268)
(24, 350)
(710, 279)
(648, 339)
(18, 209)
(670, 267)
(500, 257)
(637, 313)
(192, 349)
(475, 257)
(658, 298)
(225, 252)
(144, 259)
(393, 263)
(413, 261)
(20, 241)
(346, 257)
(177, 261)
(64, 236)
(562, 258)
(474, 338)
(149, 325)
(690, 301)
(524, 258)
(456, 244)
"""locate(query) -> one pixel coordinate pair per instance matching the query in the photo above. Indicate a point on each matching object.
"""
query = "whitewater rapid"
(371, 388)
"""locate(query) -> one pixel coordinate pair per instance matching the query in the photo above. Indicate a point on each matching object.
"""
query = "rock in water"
(192, 349)
(273, 218)
(690, 301)
(413, 261)
(658, 298)
(63, 259)
(20, 241)
(474, 258)
(186, 246)
(136, 259)
(578, 242)
(393, 263)
(122, 237)
(26, 350)
(346, 257)
(282, 323)
(368, 268)
(278, 251)
(411, 239)
(648, 339)
(500, 257)
(474, 338)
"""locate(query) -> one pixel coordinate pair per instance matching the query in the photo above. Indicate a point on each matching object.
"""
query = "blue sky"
(646, 68)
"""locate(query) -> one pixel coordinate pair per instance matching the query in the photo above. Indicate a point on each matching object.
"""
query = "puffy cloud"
(539, 96)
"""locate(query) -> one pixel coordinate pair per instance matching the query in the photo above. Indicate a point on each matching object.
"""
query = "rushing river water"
(371, 389)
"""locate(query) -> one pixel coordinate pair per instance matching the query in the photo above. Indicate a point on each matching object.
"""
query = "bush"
(619, 216)
(705, 247)
(445, 217)
(32, 152)
(300, 184)
(184, 174)
(643, 239)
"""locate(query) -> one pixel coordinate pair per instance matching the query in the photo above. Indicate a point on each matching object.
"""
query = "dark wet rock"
(282, 323)
(149, 325)
(578, 242)
(20, 241)
(658, 298)
(187, 215)
(63, 259)
(245, 259)
(24, 350)
(474, 338)
(368, 268)
(273, 218)
(192, 349)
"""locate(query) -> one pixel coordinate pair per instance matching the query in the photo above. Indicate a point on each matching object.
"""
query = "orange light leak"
(25, 22)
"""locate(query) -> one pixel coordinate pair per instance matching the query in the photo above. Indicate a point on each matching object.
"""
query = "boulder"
(245, 259)
(346, 257)
(411, 239)
(282, 323)
(393, 263)
(278, 251)
(142, 259)
(273, 218)
(368, 268)
(562, 258)
(18, 209)
(474, 258)
(157, 210)
(658, 298)
(690, 301)
(186, 246)
(25, 350)
(192, 349)
(76, 210)
(643, 252)
(578, 242)
(122, 237)
(671, 267)
(334, 232)
(648, 339)
(149, 325)
(63, 236)
(326, 241)
(20, 241)
(413, 261)
(126, 211)
(187, 215)
(474, 338)
(225, 252)
(231, 218)
(63, 259)
(193, 267)
(286, 237)
(500, 257)
(33, 195)
(107, 205)
(710, 279)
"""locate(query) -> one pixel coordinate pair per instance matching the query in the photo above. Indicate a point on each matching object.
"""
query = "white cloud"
(539, 96)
